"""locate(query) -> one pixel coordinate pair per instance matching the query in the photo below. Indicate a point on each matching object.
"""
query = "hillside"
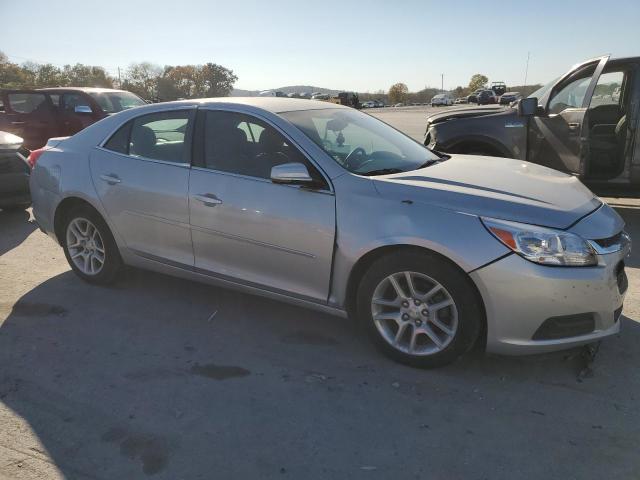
(238, 92)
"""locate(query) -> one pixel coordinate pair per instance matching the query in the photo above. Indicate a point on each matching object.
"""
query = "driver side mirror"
(292, 174)
(82, 109)
(528, 106)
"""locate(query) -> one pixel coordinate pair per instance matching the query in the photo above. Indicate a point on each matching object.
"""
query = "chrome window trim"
(247, 112)
(138, 157)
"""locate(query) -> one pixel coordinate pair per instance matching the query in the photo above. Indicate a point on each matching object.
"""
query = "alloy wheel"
(85, 246)
(414, 313)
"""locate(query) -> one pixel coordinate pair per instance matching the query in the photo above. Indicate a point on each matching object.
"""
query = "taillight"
(34, 156)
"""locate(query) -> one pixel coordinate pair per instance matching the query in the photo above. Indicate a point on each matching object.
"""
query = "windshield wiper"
(381, 171)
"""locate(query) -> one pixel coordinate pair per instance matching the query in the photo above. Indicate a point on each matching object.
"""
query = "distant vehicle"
(473, 98)
(460, 100)
(14, 173)
(320, 96)
(565, 125)
(349, 99)
(509, 97)
(272, 93)
(486, 97)
(37, 115)
(499, 88)
(368, 104)
(378, 103)
(293, 95)
(442, 99)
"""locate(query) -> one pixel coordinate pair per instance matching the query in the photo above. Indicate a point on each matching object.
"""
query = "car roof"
(79, 89)
(271, 104)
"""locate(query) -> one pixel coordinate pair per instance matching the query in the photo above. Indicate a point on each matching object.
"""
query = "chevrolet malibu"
(329, 208)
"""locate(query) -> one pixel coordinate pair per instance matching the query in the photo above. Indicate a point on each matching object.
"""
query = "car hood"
(464, 112)
(494, 187)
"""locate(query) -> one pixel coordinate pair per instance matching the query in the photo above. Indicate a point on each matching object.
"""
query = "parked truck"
(584, 123)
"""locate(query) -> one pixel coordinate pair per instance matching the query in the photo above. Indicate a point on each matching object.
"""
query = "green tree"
(11, 74)
(478, 81)
(216, 80)
(142, 79)
(80, 75)
(398, 93)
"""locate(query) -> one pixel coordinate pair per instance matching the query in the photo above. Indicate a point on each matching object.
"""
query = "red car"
(37, 115)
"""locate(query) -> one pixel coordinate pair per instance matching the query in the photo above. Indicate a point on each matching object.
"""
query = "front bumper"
(519, 296)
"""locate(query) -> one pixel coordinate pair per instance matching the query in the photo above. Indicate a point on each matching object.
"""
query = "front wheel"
(419, 309)
(89, 246)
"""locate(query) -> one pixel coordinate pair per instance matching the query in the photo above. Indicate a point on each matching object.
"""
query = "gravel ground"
(167, 378)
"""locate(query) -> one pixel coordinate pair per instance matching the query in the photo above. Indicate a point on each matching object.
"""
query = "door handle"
(110, 179)
(209, 199)
(573, 127)
(18, 123)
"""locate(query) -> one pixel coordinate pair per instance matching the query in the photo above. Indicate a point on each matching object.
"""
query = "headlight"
(543, 245)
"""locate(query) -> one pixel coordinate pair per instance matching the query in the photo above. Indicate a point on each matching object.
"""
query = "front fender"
(366, 221)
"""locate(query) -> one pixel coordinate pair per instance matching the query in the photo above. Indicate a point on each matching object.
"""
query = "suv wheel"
(89, 246)
(419, 309)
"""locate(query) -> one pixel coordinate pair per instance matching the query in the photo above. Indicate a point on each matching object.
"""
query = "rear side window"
(26, 102)
(162, 136)
(119, 141)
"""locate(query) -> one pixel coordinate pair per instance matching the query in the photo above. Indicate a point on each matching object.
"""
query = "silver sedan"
(329, 208)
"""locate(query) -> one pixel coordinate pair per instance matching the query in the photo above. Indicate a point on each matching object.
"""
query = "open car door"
(558, 137)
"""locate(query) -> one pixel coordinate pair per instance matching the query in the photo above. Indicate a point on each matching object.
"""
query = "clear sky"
(351, 45)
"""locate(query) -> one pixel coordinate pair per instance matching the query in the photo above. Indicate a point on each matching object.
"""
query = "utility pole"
(442, 82)
(526, 70)
(119, 80)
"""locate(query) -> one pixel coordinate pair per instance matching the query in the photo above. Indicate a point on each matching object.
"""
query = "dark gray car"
(584, 123)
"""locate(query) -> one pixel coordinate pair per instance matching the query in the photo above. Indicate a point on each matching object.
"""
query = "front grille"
(565, 326)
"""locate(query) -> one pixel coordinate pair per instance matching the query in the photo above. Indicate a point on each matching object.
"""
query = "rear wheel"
(419, 309)
(89, 246)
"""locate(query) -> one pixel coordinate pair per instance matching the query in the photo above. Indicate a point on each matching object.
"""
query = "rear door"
(141, 175)
(30, 115)
(559, 137)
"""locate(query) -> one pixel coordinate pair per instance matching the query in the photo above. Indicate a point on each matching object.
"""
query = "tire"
(463, 319)
(111, 265)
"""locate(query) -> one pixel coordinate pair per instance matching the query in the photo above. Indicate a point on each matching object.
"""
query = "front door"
(248, 229)
(30, 115)
(76, 112)
(559, 138)
(141, 175)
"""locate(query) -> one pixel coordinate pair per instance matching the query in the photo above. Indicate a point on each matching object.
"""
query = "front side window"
(158, 136)
(571, 94)
(244, 145)
(72, 100)
(113, 102)
(361, 143)
(608, 89)
(27, 102)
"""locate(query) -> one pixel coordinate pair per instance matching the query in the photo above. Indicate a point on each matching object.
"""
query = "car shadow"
(175, 379)
(15, 227)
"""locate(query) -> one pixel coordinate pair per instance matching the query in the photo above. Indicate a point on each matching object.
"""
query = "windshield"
(361, 143)
(542, 90)
(113, 102)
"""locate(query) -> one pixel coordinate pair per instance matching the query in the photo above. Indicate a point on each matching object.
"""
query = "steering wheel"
(358, 151)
